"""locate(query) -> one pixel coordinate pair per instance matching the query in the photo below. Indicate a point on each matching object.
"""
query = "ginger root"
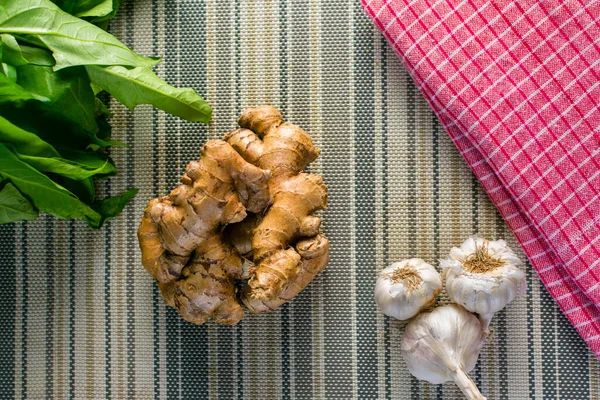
(208, 254)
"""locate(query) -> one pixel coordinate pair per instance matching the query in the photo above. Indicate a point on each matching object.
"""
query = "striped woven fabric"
(80, 318)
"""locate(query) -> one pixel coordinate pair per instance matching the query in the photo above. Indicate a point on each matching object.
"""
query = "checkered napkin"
(516, 85)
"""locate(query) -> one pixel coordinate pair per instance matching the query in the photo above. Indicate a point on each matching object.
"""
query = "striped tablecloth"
(80, 318)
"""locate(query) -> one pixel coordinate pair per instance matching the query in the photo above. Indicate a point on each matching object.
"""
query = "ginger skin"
(314, 253)
(215, 191)
(285, 150)
(199, 240)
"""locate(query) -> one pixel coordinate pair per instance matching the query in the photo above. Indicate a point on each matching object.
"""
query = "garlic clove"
(407, 287)
(443, 345)
(483, 276)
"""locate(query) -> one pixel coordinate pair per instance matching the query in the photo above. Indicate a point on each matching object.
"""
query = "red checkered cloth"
(516, 85)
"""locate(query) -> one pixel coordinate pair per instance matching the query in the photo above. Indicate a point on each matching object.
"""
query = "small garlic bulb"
(443, 345)
(483, 276)
(407, 287)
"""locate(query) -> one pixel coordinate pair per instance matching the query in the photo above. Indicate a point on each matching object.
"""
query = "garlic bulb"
(443, 345)
(407, 287)
(483, 276)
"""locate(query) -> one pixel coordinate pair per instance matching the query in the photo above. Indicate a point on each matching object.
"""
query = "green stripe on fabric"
(411, 127)
(299, 113)
(156, 296)
(548, 311)
(475, 203)
(386, 253)
(501, 325)
(172, 174)
(240, 361)
(156, 299)
(8, 281)
(49, 308)
(225, 362)
(72, 268)
(530, 332)
(573, 363)
(283, 100)
(173, 321)
(131, 224)
(337, 221)
(364, 116)
(437, 131)
(239, 331)
(24, 299)
(194, 339)
(221, 93)
(476, 374)
(501, 333)
(107, 306)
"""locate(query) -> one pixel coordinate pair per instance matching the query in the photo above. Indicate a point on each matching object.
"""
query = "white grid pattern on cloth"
(520, 105)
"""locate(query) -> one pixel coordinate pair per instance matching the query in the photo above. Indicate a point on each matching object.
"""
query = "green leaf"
(141, 86)
(10, 92)
(37, 56)
(68, 168)
(68, 90)
(68, 118)
(101, 109)
(89, 8)
(102, 22)
(92, 8)
(44, 157)
(10, 72)
(11, 52)
(102, 116)
(65, 5)
(72, 40)
(25, 142)
(15, 207)
(112, 206)
(46, 195)
(51, 126)
(84, 189)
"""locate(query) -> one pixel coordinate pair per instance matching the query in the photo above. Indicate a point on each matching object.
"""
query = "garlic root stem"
(485, 322)
(467, 386)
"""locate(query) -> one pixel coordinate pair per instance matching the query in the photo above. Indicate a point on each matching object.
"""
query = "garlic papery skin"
(443, 345)
(407, 287)
(483, 276)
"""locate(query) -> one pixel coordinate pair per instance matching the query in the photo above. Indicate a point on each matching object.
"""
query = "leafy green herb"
(10, 72)
(37, 56)
(111, 207)
(10, 92)
(72, 41)
(93, 10)
(15, 207)
(52, 198)
(141, 86)
(45, 194)
(102, 20)
(11, 52)
(57, 70)
(44, 157)
(68, 90)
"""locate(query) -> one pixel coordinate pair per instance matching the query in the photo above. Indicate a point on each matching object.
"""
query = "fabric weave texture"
(516, 85)
(80, 318)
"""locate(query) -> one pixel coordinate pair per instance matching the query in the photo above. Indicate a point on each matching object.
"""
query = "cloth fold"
(516, 85)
